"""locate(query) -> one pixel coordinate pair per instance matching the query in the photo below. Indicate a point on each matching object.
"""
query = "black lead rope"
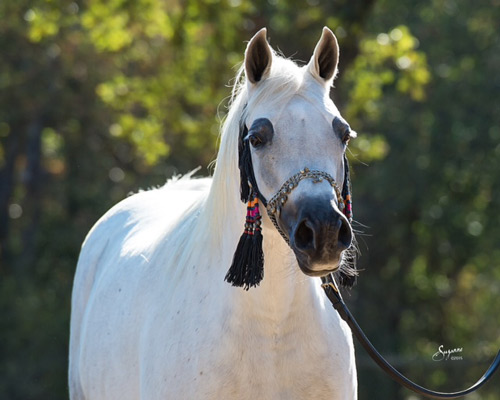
(333, 294)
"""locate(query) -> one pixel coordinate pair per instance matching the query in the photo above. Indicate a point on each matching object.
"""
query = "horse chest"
(200, 344)
(246, 359)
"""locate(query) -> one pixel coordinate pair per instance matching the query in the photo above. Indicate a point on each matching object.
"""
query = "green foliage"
(387, 60)
(432, 202)
(101, 98)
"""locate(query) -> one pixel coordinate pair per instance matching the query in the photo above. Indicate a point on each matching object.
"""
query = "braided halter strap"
(278, 201)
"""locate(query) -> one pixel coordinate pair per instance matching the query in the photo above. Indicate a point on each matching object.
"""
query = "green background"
(101, 98)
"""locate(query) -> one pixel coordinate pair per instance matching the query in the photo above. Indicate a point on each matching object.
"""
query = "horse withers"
(152, 317)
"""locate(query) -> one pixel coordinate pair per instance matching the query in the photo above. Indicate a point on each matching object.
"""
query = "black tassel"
(244, 164)
(247, 268)
(236, 273)
(256, 266)
(346, 191)
(347, 275)
(248, 184)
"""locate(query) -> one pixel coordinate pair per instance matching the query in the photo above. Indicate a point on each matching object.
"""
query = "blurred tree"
(101, 98)
(432, 202)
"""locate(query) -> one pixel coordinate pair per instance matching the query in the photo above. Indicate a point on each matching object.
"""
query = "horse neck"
(285, 293)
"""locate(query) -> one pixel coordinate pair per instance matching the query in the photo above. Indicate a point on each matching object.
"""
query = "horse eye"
(343, 130)
(261, 133)
(255, 141)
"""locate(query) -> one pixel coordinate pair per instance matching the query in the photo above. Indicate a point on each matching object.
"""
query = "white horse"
(152, 317)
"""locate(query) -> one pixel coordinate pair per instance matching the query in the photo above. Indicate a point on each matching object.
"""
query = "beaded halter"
(279, 200)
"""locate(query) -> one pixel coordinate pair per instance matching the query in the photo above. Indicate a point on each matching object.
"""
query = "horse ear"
(324, 61)
(258, 57)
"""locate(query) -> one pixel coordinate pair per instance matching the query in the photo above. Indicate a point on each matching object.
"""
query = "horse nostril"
(345, 235)
(304, 236)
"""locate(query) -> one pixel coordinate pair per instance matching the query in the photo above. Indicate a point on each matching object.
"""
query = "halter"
(247, 267)
(280, 198)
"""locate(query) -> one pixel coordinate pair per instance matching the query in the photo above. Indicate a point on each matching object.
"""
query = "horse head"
(292, 147)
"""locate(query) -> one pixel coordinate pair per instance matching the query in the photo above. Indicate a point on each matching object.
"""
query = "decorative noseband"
(279, 200)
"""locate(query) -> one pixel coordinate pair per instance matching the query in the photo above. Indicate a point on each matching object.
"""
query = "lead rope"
(332, 292)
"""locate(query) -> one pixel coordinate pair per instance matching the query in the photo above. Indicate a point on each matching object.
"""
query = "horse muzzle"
(319, 235)
(312, 223)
